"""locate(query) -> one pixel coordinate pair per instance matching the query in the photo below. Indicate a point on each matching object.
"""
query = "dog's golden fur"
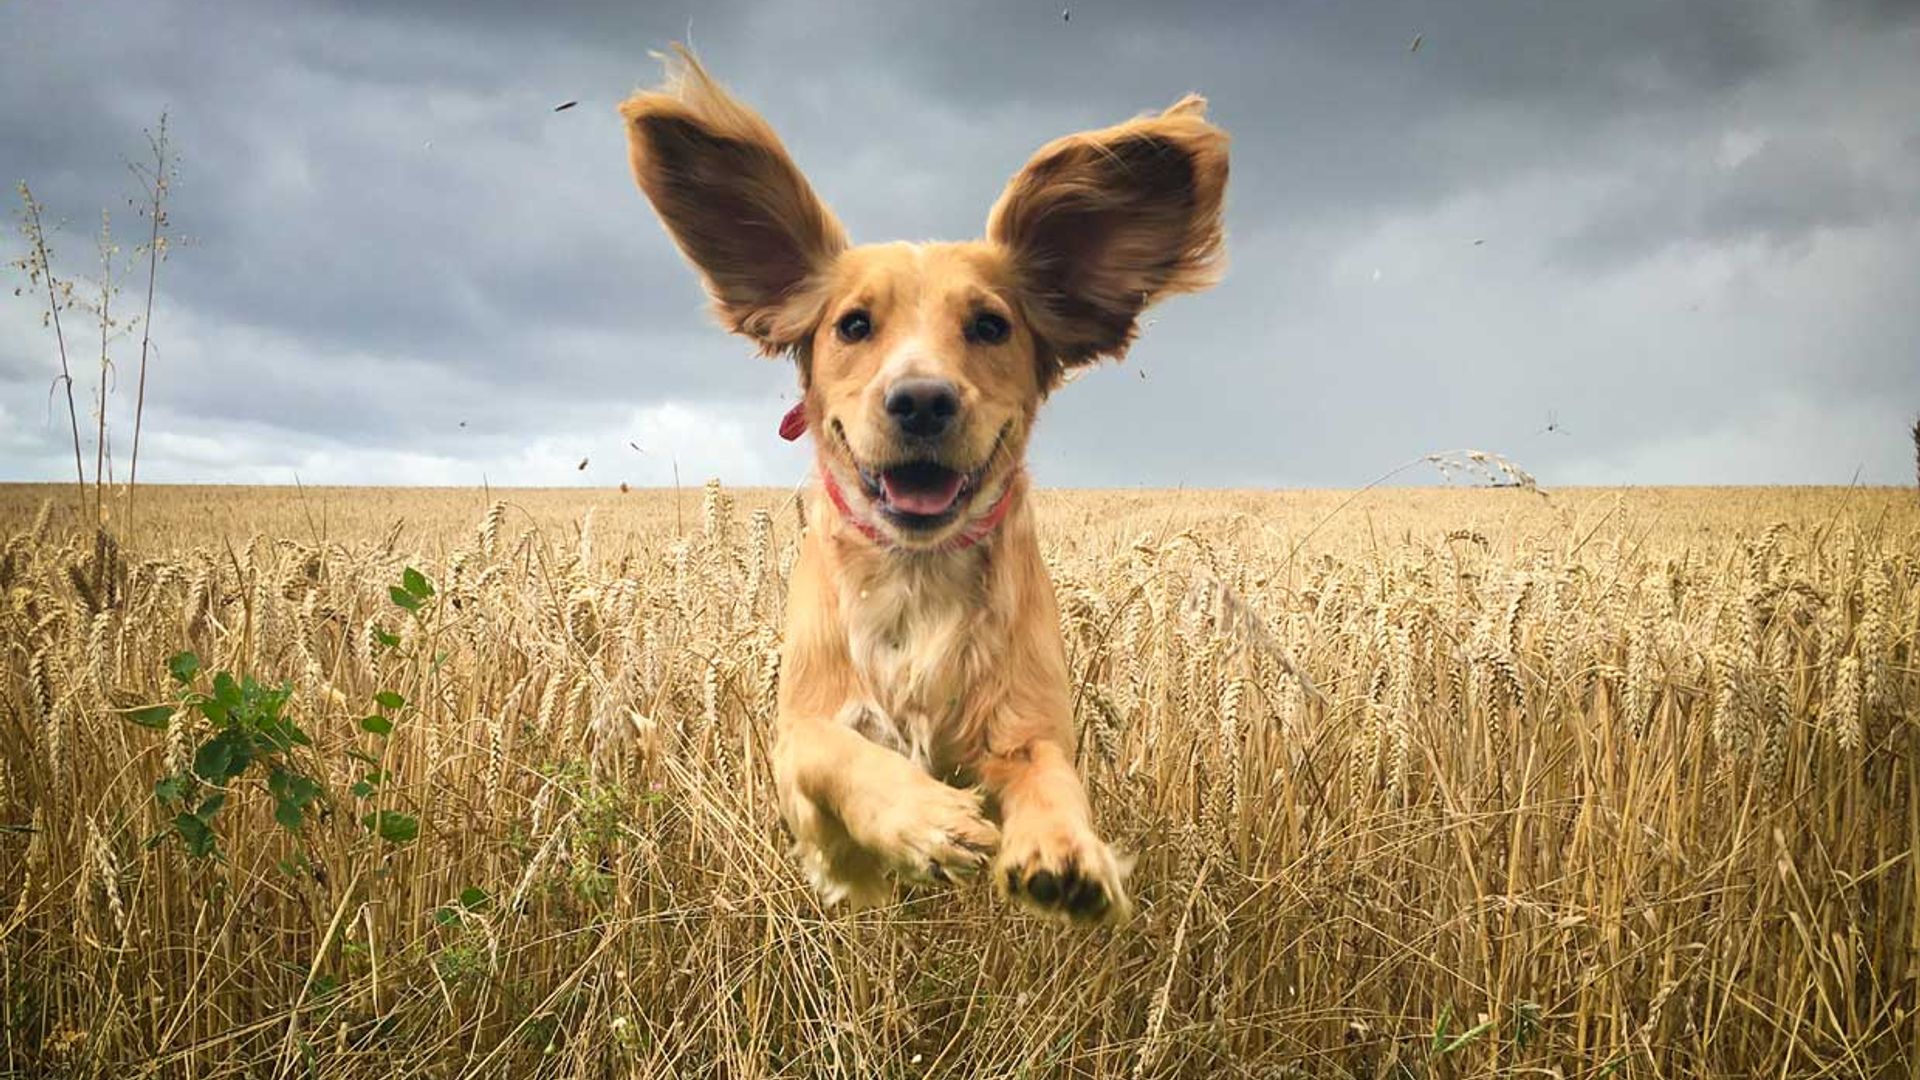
(925, 713)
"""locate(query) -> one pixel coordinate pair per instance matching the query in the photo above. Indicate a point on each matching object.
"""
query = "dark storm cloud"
(1779, 193)
(1617, 212)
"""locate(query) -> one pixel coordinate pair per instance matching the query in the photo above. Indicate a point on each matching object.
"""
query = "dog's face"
(924, 375)
(924, 364)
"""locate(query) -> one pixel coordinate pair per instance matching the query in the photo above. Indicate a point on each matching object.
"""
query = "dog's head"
(923, 364)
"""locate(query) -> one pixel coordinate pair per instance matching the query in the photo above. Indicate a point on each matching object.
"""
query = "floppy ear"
(734, 202)
(1103, 223)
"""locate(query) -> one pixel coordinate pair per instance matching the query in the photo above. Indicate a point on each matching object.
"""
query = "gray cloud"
(1678, 227)
(1779, 192)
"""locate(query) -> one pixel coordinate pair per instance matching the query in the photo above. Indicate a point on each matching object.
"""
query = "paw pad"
(1081, 896)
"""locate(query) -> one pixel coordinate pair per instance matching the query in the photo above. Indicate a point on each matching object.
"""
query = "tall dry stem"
(38, 265)
(158, 183)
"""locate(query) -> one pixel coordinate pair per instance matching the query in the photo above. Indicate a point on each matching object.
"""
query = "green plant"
(242, 728)
(414, 595)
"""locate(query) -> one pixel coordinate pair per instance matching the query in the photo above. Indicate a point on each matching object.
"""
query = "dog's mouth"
(923, 494)
(918, 494)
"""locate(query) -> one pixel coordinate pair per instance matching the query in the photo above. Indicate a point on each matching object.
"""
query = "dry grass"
(1607, 784)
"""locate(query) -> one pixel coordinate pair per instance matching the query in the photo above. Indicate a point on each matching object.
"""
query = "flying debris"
(463, 423)
(1553, 425)
(1417, 39)
(623, 487)
(1477, 243)
(564, 106)
(1066, 14)
(582, 467)
(636, 447)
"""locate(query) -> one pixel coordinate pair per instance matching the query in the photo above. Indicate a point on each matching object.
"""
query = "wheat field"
(1588, 784)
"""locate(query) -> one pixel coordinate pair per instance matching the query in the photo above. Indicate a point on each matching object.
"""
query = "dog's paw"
(846, 875)
(933, 832)
(1064, 870)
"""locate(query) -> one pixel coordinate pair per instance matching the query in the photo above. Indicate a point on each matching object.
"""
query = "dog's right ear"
(734, 202)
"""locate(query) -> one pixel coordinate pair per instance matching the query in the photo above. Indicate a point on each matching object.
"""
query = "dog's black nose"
(923, 407)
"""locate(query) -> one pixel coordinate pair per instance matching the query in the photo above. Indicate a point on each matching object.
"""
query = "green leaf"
(214, 711)
(153, 716)
(210, 763)
(473, 899)
(281, 733)
(195, 834)
(288, 786)
(183, 667)
(391, 641)
(445, 916)
(376, 725)
(224, 757)
(389, 700)
(268, 701)
(226, 691)
(170, 788)
(211, 806)
(288, 815)
(393, 826)
(362, 755)
(361, 789)
(303, 790)
(403, 598)
(275, 732)
(416, 583)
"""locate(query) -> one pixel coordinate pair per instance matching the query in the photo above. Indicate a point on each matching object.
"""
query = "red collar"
(794, 424)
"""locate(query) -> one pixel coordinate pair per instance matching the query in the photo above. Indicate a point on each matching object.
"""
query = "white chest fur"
(911, 635)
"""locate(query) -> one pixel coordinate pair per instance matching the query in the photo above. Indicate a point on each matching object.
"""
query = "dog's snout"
(923, 407)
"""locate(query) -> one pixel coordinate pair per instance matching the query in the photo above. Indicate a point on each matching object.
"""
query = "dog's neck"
(921, 627)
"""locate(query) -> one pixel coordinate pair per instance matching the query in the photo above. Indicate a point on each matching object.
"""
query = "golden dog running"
(924, 692)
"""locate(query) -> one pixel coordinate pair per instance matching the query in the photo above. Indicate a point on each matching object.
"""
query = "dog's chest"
(914, 639)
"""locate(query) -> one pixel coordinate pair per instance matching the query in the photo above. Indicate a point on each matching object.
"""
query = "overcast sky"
(1688, 234)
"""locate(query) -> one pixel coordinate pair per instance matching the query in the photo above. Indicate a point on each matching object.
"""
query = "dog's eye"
(854, 326)
(987, 328)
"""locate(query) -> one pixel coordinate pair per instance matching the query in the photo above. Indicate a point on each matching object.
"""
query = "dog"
(925, 719)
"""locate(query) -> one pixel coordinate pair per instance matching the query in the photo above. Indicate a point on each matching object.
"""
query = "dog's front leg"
(1050, 857)
(859, 811)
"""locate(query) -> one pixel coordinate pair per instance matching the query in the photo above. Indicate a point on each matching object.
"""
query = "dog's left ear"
(1103, 223)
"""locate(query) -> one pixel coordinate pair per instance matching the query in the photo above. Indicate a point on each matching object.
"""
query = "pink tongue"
(926, 501)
